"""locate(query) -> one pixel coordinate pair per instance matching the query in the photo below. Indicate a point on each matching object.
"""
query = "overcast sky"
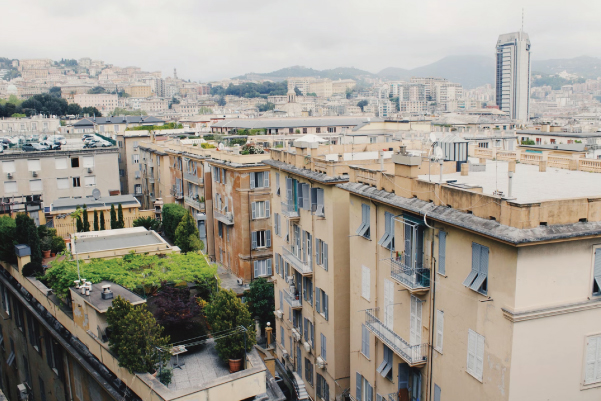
(213, 39)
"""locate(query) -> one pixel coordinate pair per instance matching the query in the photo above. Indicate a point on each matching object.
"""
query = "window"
(138, 188)
(436, 392)
(136, 145)
(477, 279)
(442, 251)
(308, 290)
(323, 388)
(363, 229)
(76, 182)
(324, 348)
(365, 341)
(220, 229)
(385, 368)
(277, 224)
(597, 273)
(281, 301)
(331, 129)
(303, 193)
(321, 302)
(365, 284)
(62, 183)
(90, 181)
(259, 179)
(263, 268)
(321, 253)
(75, 162)
(592, 370)
(309, 332)
(261, 239)
(34, 333)
(387, 240)
(388, 303)
(282, 335)
(277, 184)
(304, 130)
(439, 329)
(33, 165)
(308, 371)
(10, 187)
(260, 210)
(415, 321)
(8, 167)
(88, 161)
(364, 390)
(135, 159)
(475, 354)
(317, 201)
(120, 144)
(35, 185)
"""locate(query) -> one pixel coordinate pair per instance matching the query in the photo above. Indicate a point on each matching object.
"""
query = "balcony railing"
(412, 354)
(414, 278)
(293, 300)
(227, 218)
(177, 194)
(290, 210)
(194, 203)
(193, 178)
(303, 268)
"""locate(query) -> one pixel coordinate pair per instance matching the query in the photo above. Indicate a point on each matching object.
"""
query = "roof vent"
(106, 292)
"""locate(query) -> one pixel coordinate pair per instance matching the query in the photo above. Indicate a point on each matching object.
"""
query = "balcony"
(414, 355)
(177, 193)
(415, 279)
(290, 210)
(303, 268)
(150, 179)
(227, 218)
(194, 203)
(293, 300)
(193, 178)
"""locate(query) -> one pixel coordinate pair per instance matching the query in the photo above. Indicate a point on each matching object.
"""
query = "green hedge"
(172, 216)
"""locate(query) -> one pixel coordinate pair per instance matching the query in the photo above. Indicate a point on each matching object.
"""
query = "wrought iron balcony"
(194, 203)
(290, 210)
(227, 218)
(414, 355)
(303, 268)
(294, 300)
(409, 273)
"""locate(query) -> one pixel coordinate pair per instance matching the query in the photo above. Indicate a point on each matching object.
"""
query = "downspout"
(252, 272)
(377, 264)
(432, 309)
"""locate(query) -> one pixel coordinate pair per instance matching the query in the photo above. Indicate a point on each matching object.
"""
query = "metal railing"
(194, 203)
(176, 193)
(412, 354)
(411, 277)
(290, 210)
(296, 262)
(293, 300)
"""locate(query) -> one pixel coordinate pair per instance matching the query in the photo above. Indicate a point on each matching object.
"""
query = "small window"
(477, 279)
(88, 161)
(363, 230)
(62, 183)
(34, 165)
(262, 268)
(261, 239)
(260, 209)
(385, 368)
(135, 158)
(10, 187)
(35, 185)
(439, 329)
(76, 182)
(308, 366)
(259, 179)
(475, 354)
(442, 252)
(90, 181)
(75, 162)
(304, 130)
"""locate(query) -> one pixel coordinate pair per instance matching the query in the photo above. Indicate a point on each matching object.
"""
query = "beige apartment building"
(130, 175)
(104, 102)
(139, 90)
(29, 125)
(113, 125)
(153, 106)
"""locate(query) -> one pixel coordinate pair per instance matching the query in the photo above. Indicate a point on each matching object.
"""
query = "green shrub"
(172, 216)
(33, 269)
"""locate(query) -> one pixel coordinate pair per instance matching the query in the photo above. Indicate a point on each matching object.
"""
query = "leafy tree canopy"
(122, 112)
(148, 223)
(186, 234)
(97, 90)
(266, 106)
(172, 215)
(260, 300)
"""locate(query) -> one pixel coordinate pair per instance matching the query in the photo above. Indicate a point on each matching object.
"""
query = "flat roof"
(292, 122)
(97, 241)
(102, 305)
(529, 185)
(562, 134)
(91, 203)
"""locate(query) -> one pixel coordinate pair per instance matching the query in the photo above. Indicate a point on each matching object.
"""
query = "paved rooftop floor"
(200, 367)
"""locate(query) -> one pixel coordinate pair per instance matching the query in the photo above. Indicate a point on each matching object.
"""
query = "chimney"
(542, 166)
(106, 292)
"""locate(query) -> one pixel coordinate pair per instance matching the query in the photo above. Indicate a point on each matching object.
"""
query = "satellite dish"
(220, 146)
(438, 153)
(432, 137)
(96, 193)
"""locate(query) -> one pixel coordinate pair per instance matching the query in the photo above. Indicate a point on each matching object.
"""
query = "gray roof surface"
(292, 122)
(72, 203)
(128, 240)
(103, 304)
(311, 175)
(491, 228)
(117, 120)
(562, 134)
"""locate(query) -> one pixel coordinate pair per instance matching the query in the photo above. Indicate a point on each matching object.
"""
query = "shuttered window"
(35, 185)
(324, 348)
(415, 324)
(365, 282)
(439, 329)
(60, 163)
(34, 165)
(597, 273)
(387, 240)
(260, 210)
(317, 202)
(475, 354)
(306, 195)
(385, 368)
(437, 392)
(364, 340)
(442, 250)
(263, 268)
(592, 370)
(10, 187)
(277, 183)
(363, 229)
(477, 279)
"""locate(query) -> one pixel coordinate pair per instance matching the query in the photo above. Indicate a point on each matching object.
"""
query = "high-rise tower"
(513, 75)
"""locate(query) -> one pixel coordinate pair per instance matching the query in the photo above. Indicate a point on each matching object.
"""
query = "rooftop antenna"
(522, 20)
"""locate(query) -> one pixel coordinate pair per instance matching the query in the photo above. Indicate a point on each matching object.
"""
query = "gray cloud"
(212, 39)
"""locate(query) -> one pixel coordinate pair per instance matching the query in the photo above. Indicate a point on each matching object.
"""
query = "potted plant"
(227, 313)
(46, 245)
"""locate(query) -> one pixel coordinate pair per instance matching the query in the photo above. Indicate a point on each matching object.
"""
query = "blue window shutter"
(268, 238)
(324, 347)
(252, 180)
(597, 272)
(317, 299)
(437, 392)
(325, 301)
(289, 191)
(359, 391)
(266, 179)
(269, 268)
(312, 335)
(306, 197)
(317, 251)
(267, 209)
(299, 194)
(404, 372)
(256, 268)
(281, 301)
(254, 240)
(318, 385)
(253, 208)
(442, 246)
(475, 265)
(325, 255)
(305, 328)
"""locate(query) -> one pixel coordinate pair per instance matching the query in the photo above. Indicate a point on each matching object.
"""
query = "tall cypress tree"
(95, 220)
(79, 224)
(102, 220)
(113, 218)
(120, 221)
(33, 240)
(86, 222)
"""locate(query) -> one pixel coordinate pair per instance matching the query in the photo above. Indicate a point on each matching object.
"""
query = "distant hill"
(584, 66)
(299, 71)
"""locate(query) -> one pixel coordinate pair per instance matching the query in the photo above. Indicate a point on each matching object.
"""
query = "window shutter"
(370, 392)
(325, 255)
(324, 348)
(318, 384)
(267, 209)
(268, 238)
(299, 194)
(277, 183)
(313, 199)
(442, 245)
(306, 190)
(479, 356)
(254, 240)
(471, 352)
(325, 302)
(318, 299)
(318, 251)
(408, 246)
(269, 267)
(591, 371)
(253, 207)
(252, 180)
(475, 265)
(359, 391)
(289, 190)
(256, 264)
(281, 302)
(437, 392)
(266, 179)
(439, 329)
(222, 176)
(277, 263)
(597, 271)
(404, 372)
(312, 335)
(306, 328)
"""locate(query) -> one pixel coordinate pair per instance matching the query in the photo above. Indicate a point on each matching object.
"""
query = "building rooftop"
(529, 185)
(102, 305)
(66, 204)
(117, 120)
(291, 122)
(561, 134)
(97, 241)
(309, 174)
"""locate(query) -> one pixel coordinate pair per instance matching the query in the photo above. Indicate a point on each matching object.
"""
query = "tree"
(21, 222)
(362, 104)
(73, 109)
(172, 215)
(86, 222)
(227, 312)
(349, 93)
(135, 337)
(122, 112)
(266, 106)
(33, 240)
(147, 222)
(175, 307)
(260, 300)
(55, 91)
(8, 228)
(297, 91)
(186, 235)
(102, 220)
(113, 218)
(221, 101)
(96, 227)
(97, 90)
(120, 222)
(91, 111)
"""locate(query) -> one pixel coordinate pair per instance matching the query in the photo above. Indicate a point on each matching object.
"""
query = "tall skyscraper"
(513, 75)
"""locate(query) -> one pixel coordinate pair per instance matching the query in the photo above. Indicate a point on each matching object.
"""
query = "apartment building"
(35, 124)
(104, 102)
(130, 174)
(155, 174)
(139, 90)
(154, 106)
(60, 174)
(309, 125)
(112, 125)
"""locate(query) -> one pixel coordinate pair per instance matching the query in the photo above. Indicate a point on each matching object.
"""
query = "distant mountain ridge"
(584, 66)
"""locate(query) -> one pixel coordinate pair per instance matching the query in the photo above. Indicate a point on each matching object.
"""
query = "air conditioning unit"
(307, 346)
(89, 169)
(296, 335)
(320, 363)
(22, 392)
(9, 175)
(34, 173)
(240, 281)
(278, 313)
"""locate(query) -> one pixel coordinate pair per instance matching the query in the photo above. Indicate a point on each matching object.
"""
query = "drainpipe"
(432, 314)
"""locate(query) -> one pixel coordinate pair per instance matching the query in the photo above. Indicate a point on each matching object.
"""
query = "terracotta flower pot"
(46, 253)
(52, 254)
(235, 365)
